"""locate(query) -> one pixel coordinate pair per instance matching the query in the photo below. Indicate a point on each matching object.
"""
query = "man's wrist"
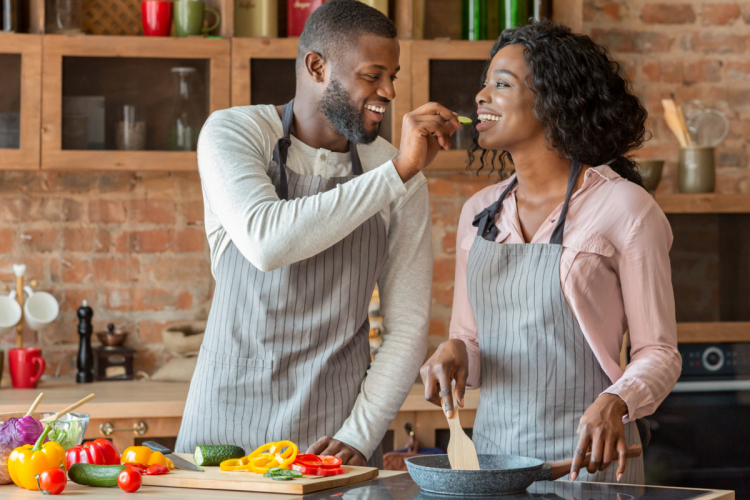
(616, 403)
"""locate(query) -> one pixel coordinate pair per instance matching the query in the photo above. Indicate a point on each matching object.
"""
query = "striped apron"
(285, 352)
(539, 373)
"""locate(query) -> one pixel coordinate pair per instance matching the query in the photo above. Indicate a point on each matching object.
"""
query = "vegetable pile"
(282, 462)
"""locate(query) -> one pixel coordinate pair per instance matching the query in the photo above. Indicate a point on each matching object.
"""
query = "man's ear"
(315, 66)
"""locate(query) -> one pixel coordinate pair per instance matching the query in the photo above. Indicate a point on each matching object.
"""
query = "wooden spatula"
(462, 453)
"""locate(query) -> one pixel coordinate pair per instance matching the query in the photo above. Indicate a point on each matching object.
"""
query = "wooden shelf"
(704, 203)
(726, 331)
(56, 47)
(29, 81)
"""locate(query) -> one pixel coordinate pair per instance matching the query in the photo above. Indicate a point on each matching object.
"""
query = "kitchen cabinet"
(114, 71)
(20, 100)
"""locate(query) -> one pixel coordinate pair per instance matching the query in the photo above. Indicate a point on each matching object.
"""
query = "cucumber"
(95, 475)
(214, 454)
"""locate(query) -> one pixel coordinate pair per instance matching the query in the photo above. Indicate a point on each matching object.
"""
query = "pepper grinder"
(85, 354)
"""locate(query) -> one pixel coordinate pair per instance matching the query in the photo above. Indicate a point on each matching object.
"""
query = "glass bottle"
(474, 20)
(514, 13)
(185, 122)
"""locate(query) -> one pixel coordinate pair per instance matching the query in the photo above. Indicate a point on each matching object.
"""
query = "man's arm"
(269, 232)
(405, 292)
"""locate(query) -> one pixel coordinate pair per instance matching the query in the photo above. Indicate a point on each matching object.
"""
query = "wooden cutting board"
(214, 479)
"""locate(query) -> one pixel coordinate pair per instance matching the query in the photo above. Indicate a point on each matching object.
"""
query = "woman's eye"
(500, 85)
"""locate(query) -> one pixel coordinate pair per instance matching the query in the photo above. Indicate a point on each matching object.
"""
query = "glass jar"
(185, 122)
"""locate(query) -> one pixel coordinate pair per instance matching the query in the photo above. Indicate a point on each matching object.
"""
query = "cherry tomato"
(129, 480)
(330, 462)
(157, 470)
(52, 481)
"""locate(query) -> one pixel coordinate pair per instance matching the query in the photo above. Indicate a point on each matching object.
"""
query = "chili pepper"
(26, 461)
(98, 452)
(143, 455)
(157, 470)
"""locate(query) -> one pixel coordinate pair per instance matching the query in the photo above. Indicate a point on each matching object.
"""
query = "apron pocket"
(237, 393)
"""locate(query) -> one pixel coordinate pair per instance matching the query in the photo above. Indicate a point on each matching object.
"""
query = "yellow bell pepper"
(26, 462)
(144, 456)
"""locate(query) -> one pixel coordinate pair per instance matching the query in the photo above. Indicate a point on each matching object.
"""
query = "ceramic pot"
(650, 171)
(695, 170)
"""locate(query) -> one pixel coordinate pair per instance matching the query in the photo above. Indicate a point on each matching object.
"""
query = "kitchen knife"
(180, 463)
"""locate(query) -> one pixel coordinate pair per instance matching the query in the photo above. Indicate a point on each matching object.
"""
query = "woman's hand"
(450, 362)
(601, 430)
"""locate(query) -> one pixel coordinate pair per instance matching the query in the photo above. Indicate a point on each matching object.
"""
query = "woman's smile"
(486, 119)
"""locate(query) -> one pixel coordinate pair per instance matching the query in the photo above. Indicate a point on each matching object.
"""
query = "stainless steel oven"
(700, 435)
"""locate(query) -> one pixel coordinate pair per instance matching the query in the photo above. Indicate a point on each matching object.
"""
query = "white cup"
(10, 313)
(40, 309)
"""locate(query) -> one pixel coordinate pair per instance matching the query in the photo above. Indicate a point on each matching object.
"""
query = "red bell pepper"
(312, 471)
(308, 460)
(330, 462)
(97, 452)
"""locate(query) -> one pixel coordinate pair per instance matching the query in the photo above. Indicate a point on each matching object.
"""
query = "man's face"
(360, 88)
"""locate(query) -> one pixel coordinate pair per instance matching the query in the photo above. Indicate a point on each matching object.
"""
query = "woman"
(556, 263)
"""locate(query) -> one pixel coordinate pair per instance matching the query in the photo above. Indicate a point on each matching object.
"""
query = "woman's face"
(506, 104)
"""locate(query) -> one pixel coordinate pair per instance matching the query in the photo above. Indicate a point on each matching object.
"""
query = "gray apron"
(539, 374)
(285, 352)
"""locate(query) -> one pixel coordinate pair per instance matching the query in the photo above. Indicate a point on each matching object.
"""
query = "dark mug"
(22, 362)
(189, 15)
(157, 17)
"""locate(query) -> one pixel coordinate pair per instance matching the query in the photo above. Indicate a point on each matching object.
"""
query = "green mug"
(189, 15)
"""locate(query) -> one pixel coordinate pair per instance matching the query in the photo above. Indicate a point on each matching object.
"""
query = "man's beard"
(348, 121)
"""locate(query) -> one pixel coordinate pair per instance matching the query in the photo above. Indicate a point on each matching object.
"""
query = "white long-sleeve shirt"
(235, 149)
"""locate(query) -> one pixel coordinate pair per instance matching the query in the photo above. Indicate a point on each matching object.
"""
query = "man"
(305, 212)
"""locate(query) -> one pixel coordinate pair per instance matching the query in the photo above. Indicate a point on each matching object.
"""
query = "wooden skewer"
(69, 409)
(35, 404)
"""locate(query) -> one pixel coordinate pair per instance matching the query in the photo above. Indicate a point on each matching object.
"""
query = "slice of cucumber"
(214, 454)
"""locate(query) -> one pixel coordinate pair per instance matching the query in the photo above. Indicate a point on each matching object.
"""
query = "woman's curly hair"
(587, 107)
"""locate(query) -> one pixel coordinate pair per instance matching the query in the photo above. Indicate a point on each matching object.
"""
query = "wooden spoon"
(35, 404)
(674, 122)
(462, 453)
(68, 409)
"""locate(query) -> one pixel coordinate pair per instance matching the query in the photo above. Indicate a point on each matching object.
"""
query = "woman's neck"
(541, 174)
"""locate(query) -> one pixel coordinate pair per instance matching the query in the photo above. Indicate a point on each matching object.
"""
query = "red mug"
(22, 361)
(157, 17)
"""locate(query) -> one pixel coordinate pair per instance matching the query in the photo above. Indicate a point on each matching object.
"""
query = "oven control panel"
(715, 360)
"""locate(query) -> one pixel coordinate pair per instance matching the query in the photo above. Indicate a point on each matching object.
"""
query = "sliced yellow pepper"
(281, 454)
(26, 462)
(144, 456)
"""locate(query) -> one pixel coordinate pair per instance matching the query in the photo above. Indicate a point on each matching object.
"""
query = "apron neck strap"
(484, 221)
(281, 150)
(557, 234)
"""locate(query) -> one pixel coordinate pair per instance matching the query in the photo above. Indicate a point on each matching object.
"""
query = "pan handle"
(555, 470)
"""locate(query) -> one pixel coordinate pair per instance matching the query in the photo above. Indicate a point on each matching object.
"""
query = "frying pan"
(498, 474)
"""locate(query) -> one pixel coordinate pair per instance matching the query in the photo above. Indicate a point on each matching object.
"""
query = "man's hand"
(601, 430)
(329, 446)
(450, 362)
(425, 130)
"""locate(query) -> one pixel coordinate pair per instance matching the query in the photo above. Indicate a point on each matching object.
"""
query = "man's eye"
(394, 78)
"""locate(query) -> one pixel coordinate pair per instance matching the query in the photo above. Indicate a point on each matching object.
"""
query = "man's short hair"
(337, 24)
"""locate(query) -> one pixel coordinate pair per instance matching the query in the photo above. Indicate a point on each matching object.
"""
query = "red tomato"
(129, 480)
(157, 470)
(52, 481)
(330, 462)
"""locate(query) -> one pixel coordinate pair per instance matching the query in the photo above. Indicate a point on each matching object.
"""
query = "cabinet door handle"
(140, 428)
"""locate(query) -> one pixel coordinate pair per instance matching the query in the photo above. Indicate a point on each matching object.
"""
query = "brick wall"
(132, 245)
(696, 50)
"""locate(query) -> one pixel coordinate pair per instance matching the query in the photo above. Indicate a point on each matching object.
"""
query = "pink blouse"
(615, 275)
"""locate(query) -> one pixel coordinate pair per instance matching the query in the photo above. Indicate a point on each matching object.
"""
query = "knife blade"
(179, 462)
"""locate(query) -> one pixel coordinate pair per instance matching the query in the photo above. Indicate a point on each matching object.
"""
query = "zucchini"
(95, 475)
(214, 454)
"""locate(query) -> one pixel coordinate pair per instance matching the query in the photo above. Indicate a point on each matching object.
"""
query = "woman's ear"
(315, 66)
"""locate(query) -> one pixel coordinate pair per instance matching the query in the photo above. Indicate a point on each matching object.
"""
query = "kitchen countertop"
(142, 398)
(390, 486)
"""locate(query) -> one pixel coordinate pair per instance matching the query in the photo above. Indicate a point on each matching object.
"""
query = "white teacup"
(40, 309)
(10, 313)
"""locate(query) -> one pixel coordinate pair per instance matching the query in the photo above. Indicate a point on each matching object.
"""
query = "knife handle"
(154, 446)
